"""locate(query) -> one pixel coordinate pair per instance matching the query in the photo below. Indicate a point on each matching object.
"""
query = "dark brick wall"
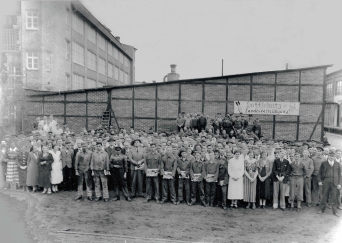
(281, 86)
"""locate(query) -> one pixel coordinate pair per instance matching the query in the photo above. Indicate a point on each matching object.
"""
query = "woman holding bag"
(45, 160)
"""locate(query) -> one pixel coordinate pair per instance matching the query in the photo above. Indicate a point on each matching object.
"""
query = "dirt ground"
(47, 215)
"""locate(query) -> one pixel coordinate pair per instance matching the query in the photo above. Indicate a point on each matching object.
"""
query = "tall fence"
(154, 107)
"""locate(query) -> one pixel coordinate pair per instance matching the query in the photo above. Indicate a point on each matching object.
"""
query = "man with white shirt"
(329, 176)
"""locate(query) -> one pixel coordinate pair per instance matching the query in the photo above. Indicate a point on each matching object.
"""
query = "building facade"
(333, 88)
(60, 45)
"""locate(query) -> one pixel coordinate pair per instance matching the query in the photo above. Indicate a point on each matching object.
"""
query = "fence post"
(133, 107)
(275, 99)
(299, 90)
(179, 98)
(156, 111)
(203, 96)
(323, 105)
(64, 108)
(86, 110)
(226, 96)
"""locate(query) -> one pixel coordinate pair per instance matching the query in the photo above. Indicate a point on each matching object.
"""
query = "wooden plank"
(65, 107)
(133, 98)
(251, 88)
(179, 98)
(87, 110)
(314, 129)
(323, 105)
(299, 90)
(203, 96)
(226, 96)
(156, 111)
(275, 99)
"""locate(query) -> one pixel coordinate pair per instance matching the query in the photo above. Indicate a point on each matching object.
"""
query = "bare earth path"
(48, 215)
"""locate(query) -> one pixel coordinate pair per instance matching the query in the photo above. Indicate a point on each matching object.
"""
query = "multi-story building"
(60, 45)
(333, 82)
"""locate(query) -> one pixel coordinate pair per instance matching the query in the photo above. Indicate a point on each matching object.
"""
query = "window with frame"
(91, 34)
(67, 49)
(121, 78)
(91, 61)
(78, 24)
(91, 83)
(32, 20)
(67, 82)
(116, 73)
(102, 66)
(77, 53)
(101, 42)
(121, 58)
(48, 62)
(110, 70)
(339, 87)
(32, 60)
(329, 89)
(110, 49)
(67, 17)
(116, 53)
(77, 82)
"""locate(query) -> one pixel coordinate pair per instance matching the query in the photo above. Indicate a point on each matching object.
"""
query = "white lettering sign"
(266, 108)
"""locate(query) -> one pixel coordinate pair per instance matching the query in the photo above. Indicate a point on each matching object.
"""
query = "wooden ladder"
(105, 118)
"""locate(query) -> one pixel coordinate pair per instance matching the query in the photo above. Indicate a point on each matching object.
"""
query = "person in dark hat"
(118, 171)
(329, 176)
(111, 148)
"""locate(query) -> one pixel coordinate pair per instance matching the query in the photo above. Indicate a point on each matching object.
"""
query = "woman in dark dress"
(22, 165)
(264, 179)
(45, 160)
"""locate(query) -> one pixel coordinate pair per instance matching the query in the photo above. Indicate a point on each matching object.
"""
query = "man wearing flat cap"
(118, 171)
(329, 176)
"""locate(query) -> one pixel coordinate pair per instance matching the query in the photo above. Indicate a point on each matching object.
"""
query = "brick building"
(155, 106)
(334, 97)
(60, 45)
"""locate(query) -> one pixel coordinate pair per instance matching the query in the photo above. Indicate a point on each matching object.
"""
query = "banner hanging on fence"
(266, 108)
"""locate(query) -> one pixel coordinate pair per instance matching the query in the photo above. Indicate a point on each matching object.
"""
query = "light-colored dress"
(249, 192)
(12, 166)
(236, 168)
(56, 172)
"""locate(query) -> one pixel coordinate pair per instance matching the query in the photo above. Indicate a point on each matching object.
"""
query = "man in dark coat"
(329, 176)
(202, 123)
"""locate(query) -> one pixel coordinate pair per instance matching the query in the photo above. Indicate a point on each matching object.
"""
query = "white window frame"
(89, 80)
(116, 73)
(32, 56)
(121, 57)
(339, 87)
(75, 51)
(32, 18)
(91, 35)
(115, 53)
(68, 82)
(48, 62)
(91, 61)
(102, 66)
(110, 70)
(110, 49)
(101, 42)
(78, 24)
(329, 89)
(67, 17)
(67, 49)
(75, 81)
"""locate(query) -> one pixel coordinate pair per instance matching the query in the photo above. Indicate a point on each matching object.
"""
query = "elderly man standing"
(82, 170)
(136, 156)
(99, 166)
(67, 158)
(329, 176)
(308, 163)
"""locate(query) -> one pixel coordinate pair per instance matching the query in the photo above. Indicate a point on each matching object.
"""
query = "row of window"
(79, 82)
(79, 26)
(329, 89)
(32, 64)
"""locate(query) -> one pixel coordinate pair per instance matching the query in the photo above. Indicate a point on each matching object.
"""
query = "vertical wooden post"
(133, 107)
(179, 99)
(323, 105)
(299, 90)
(156, 111)
(338, 115)
(251, 88)
(275, 99)
(87, 110)
(64, 108)
(226, 96)
(203, 96)
(43, 108)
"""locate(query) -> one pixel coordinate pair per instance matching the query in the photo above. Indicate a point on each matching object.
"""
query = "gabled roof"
(89, 16)
(333, 73)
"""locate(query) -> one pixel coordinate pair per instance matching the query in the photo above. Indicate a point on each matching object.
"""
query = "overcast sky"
(250, 36)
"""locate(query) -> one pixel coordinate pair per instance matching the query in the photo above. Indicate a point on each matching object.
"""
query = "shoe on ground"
(248, 206)
(309, 205)
(224, 208)
(189, 203)
(282, 209)
(116, 199)
(175, 203)
(162, 202)
(106, 200)
(320, 212)
(178, 202)
(97, 199)
(253, 207)
(90, 198)
(78, 198)
(298, 210)
(204, 204)
(146, 200)
(274, 209)
(129, 199)
(157, 201)
(340, 208)
(291, 209)
(336, 215)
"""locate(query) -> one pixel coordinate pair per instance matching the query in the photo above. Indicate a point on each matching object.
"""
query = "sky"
(250, 36)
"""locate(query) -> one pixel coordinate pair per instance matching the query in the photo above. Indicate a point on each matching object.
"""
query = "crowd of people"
(212, 161)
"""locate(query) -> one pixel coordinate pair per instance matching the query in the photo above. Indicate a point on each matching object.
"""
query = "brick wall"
(153, 107)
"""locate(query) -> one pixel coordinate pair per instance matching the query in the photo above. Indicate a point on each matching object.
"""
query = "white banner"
(267, 108)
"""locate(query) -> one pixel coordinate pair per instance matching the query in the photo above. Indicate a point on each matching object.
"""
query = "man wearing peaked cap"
(329, 176)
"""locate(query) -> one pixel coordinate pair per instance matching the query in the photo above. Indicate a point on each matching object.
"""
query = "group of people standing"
(192, 166)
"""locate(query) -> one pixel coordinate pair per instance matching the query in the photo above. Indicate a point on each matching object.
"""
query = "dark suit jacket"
(110, 151)
(336, 172)
(281, 169)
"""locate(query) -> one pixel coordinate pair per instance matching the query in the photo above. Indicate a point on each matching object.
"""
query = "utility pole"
(222, 67)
